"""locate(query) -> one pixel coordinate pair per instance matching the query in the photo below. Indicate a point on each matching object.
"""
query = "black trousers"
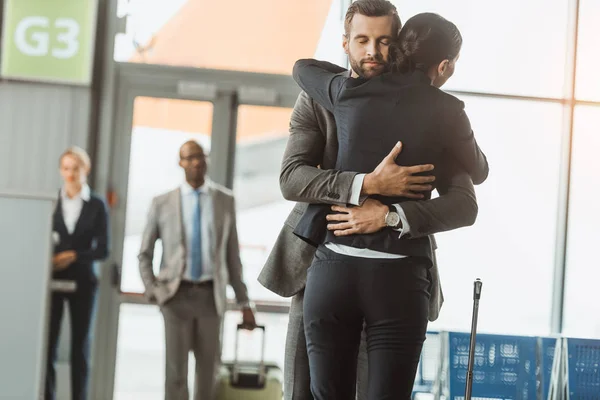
(81, 308)
(391, 297)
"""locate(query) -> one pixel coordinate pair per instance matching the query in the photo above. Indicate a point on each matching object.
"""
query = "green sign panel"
(49, 40)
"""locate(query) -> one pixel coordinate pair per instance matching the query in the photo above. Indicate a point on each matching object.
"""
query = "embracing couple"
(357, 252)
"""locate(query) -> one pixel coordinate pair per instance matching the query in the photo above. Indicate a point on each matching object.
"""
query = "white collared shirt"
(71, 206)
(187, 213)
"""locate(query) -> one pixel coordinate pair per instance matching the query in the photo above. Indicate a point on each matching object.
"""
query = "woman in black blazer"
(80, 234)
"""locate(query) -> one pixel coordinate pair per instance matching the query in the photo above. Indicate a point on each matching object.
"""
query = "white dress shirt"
(187, 211)
(71, 206)
(367, 253)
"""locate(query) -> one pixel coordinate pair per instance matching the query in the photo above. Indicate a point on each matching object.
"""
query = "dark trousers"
(391, 297)
(296, 373)
(81, 309)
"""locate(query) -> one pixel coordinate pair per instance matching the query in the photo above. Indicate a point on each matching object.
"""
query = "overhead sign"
(49, 40)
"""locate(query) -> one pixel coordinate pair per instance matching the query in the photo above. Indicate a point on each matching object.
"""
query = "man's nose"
(371, 49)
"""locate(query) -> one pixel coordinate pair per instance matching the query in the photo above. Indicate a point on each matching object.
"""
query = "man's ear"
(345, 43)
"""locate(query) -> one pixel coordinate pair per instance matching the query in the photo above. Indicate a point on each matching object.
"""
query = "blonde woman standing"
(80, 233)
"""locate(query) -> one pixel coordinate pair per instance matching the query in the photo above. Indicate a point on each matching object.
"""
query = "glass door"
(261, 136)
(242, 122)
(160, 126)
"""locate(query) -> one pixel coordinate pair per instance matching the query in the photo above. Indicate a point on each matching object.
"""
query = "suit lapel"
(213, 214)
(59, 219)
(176, 204)
(83, 216)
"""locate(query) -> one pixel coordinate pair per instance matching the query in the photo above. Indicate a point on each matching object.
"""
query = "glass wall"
(588, 57)
(581, 308)
(507, 46)
(262, 134)
(509, 50)
(511, 245)
(139, 369)
(581, 301)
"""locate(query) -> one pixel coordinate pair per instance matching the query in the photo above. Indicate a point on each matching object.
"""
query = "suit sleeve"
(300, 178)
(463, 146)
(456, 206)
(320, 79)
(150, 235)
(234, 263)
(99, 250)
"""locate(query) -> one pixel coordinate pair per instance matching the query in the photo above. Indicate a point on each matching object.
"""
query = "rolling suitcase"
(240, 380)
(473, 341)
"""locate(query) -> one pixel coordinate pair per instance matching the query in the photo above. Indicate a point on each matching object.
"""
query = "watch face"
(392, 219)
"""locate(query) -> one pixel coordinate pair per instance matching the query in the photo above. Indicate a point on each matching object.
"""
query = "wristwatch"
(392, 218)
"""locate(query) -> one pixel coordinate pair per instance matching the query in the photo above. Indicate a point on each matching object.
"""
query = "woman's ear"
(443, 67)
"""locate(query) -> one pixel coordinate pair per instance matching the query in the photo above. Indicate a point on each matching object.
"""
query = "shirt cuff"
(357, 183)
(405, 227)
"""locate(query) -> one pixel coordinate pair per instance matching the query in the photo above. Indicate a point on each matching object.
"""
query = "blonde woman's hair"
(80, 155)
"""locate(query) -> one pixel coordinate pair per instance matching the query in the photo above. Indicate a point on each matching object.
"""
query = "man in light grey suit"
(197, 226)
(306, 177)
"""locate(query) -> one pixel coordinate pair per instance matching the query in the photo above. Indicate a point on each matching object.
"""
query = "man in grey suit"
(197, 226)
(306, 177)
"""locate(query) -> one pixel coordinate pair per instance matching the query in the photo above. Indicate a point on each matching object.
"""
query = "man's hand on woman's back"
(391, 179)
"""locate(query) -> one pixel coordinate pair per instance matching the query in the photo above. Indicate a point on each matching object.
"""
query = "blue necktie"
(196, 250)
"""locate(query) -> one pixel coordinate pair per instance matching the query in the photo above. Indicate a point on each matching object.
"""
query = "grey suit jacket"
(165, 223)
(306, 177)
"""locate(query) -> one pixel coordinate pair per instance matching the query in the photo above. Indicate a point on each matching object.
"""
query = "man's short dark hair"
(373, 8)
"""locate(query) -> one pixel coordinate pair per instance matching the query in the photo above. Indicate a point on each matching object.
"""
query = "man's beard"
(357, 66)
(195, 175)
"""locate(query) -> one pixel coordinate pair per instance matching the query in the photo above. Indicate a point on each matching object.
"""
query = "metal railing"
(262, 306)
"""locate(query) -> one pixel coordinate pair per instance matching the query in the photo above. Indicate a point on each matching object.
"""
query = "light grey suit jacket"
(306, 177)
(165, 223)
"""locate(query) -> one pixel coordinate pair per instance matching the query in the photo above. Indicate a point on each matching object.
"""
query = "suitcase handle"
(262, 369)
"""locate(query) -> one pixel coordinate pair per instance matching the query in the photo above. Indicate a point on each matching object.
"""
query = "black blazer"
(89, 240)
(371, 116)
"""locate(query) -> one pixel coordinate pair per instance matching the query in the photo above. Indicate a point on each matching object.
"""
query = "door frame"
(226, 90)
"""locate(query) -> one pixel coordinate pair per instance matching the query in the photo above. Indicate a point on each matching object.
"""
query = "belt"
(207, 283)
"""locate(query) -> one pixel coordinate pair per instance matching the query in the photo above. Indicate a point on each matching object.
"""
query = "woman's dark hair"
(425, 40)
